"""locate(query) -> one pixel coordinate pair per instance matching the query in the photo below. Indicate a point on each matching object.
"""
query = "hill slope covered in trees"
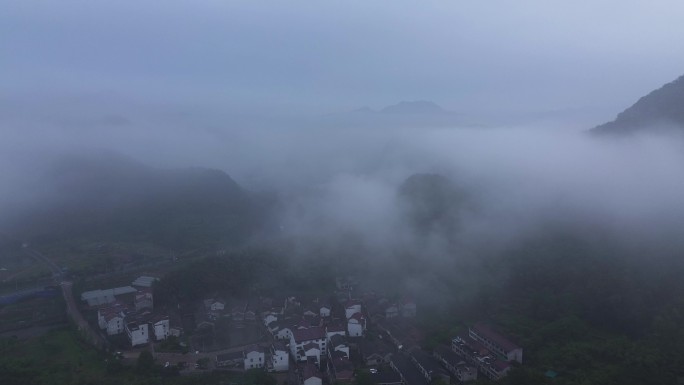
(109, 197)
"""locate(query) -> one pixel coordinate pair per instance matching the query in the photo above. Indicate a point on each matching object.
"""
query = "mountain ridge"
(112, 197)
(661, 108)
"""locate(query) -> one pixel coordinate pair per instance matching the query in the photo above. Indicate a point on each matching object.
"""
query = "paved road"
(75, 314)
(71, 306)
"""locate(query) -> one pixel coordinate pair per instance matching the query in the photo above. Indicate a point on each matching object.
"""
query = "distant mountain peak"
(414, 107)
(661, 107)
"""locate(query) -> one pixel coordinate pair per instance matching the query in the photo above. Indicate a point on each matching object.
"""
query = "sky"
(313, 57)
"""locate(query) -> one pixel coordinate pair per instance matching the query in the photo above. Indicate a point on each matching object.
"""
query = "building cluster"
(320, 341)
(480, 350)
(239, 311)
(314, 337)
(491, 352)
(130, 310)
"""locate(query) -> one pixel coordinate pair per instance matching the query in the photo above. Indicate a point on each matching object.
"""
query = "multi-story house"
(161, 327)
(356, 325)
(138, 333)
(338, 343)
(254, 357)
(280, 360)
(111, 318)
(496, 342)
(455, 364)
(306, 342)
(351, 307)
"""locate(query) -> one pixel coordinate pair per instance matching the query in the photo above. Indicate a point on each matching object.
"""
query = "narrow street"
(71, 305)
(75, 314)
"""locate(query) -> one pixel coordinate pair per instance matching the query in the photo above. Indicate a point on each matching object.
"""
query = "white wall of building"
(254, 359)
(161, 329)
(138, 335)
(115, 325)
(354, 328)
(325, 311)
(280, 360)
(351, 309)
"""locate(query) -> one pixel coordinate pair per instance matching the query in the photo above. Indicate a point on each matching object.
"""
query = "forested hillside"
(108, 197)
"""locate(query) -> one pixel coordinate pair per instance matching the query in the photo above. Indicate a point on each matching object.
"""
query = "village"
(297, 339)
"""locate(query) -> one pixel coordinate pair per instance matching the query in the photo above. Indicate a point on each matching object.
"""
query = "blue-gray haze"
(257, 88)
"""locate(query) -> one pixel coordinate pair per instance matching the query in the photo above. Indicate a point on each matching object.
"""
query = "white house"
(312, 353)
(284, 333)
(311, 375)
(324, 311)
(214, 304)
(161, 328)
(303, 337)
(356, 324)
(138, 333)
(111, 319)
(352, 306)
(254, 357)
(338, 343)
(282, 329)
(280, 360)
(217, 305)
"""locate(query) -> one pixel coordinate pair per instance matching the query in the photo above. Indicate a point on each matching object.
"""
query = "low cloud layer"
(260, 90)
(345, 182)
(518, 179)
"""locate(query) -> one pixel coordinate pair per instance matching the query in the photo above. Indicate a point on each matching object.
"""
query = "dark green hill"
(112, 198)
(662, 108)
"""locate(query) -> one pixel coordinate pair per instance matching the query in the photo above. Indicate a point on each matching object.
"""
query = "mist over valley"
(340, 193)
